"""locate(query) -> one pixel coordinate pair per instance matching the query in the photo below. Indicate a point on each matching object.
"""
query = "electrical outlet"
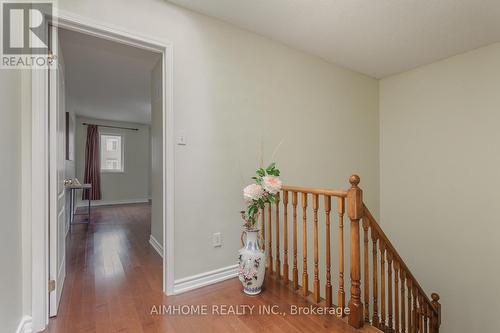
(217, 239)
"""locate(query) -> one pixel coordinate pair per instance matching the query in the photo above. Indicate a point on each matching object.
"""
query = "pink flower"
(271, 184)
(253, 192)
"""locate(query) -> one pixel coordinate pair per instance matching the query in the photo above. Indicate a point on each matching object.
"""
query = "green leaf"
(261, 172)
(252, 209)
(271, 167)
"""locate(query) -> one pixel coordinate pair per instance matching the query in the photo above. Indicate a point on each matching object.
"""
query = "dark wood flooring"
(114, 280)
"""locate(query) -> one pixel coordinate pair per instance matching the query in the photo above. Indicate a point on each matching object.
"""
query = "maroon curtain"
(92, 164)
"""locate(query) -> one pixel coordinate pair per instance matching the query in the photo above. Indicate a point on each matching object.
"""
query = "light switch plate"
(181, 139)
(217, 239)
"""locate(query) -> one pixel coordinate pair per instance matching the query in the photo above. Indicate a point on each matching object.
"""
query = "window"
(112, 144)
(111, 153)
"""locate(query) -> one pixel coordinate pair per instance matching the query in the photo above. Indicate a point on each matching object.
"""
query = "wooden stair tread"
(370, 329)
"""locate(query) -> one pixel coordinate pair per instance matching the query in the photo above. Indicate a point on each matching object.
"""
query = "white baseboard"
(94, 203)
(205, 279)
(156, 245)
(25, 326)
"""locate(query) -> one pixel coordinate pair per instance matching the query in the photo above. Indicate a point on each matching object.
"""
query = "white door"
(57, 212)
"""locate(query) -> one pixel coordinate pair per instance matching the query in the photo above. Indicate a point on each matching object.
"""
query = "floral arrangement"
(264, 190)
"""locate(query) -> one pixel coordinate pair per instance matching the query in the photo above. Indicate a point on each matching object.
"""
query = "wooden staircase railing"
(397, 303)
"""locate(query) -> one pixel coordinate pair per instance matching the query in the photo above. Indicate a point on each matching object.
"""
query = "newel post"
(436, 320)
(355, 213)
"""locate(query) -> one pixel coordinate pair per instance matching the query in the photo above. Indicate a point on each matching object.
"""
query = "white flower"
(253, 192)
(271, 184)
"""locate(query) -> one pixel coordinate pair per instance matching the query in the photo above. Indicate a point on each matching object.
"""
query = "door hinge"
(52, 285)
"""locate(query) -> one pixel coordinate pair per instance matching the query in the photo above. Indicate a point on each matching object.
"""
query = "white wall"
(439, 181)
(133, 183)
(233, 89)
(156, 153)
(11, 260)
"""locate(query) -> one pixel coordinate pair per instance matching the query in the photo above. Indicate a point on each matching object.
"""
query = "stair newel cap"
(354, 180)
(354, 199)
(435, 297)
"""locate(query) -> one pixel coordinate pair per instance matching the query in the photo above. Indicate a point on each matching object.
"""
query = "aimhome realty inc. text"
(242, 310)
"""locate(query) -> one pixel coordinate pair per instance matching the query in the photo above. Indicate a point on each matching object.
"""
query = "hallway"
(112, 273)
(114, 282)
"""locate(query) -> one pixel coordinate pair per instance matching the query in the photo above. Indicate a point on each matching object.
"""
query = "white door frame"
(40, 160)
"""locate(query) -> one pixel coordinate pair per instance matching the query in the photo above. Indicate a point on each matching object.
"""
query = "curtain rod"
(127, 128)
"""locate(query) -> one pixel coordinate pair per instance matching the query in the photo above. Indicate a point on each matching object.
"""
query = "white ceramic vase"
(252, 263)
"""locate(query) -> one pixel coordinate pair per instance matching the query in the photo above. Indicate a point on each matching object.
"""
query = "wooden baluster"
(436, 319)
(396, 295)
(341, 291)
(355, 213)
(415, 310)
(263, 229)
(410, 319)
(382, 286)
(426, 314)
(328, 287)
(278, 262)
(366, 225)
(389, 289)
(305, 277)
(285, 235)
(431, 312)
(375, 318)
(422, 313)
(269, 241)
(429, 318)
(419, 313)
(403, 300)
(295, 271)
(316, 254)
(432, 324)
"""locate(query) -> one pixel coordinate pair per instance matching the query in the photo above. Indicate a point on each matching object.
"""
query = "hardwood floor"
(114, 279)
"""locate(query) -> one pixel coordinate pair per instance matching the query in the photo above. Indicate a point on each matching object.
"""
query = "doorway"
(44, 137)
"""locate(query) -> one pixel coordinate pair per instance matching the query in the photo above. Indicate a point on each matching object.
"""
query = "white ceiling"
(375, 37)
(107, 80)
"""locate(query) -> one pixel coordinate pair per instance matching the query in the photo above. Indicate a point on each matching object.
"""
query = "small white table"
(72, 189)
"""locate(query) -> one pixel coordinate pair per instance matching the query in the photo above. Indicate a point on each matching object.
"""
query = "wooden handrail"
(388, 244)
(312, 190)
(389, 299)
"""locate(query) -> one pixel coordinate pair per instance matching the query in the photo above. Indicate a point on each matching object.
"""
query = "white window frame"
(122, 143)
